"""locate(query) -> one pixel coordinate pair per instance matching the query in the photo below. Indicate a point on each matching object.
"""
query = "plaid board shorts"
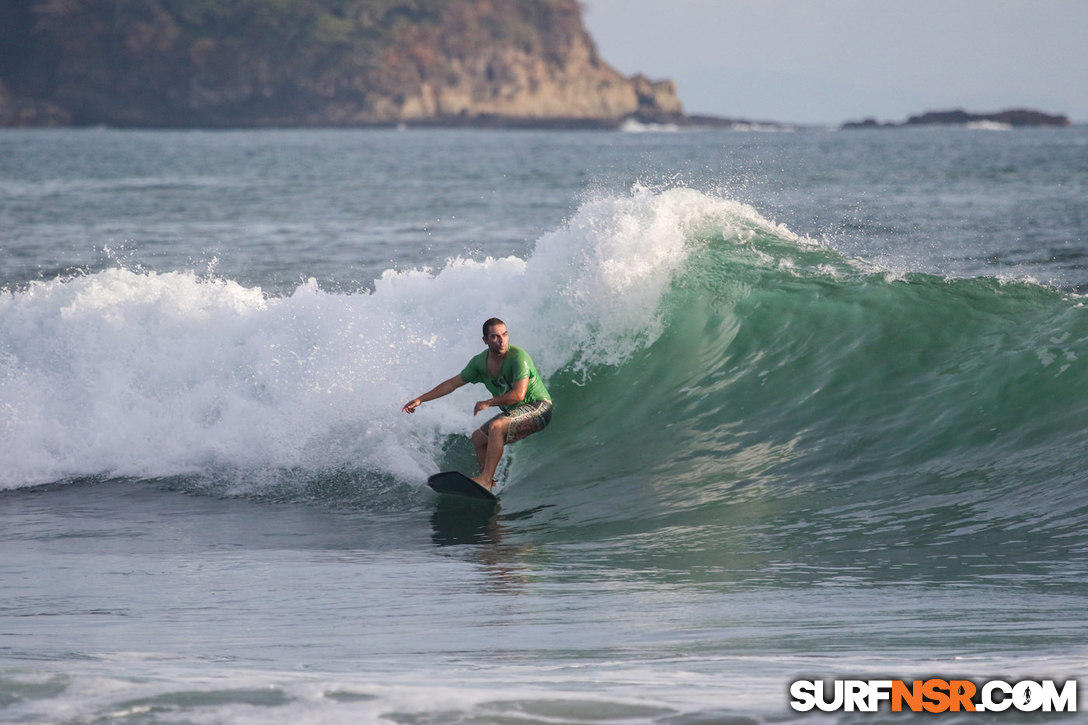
(524, 420)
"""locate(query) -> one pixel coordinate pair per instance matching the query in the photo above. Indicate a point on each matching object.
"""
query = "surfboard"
(458, 484)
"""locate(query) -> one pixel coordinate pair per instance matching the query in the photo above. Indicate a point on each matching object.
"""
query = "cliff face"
(312, 62)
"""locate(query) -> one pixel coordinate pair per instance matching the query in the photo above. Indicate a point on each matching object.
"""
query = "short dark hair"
(491, 323)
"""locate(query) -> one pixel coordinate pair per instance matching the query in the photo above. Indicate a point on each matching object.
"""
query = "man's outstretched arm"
(444, 388)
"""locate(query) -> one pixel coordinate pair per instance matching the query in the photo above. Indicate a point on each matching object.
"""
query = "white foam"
(130, 373)
(632, 126)
(989, 126)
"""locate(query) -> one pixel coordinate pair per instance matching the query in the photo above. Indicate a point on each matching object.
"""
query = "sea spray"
(133, 373)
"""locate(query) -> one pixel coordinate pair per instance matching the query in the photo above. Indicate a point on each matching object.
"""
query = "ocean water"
(820, 413)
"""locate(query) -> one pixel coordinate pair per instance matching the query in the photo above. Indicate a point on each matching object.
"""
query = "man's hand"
(481, 405)
(444, 388)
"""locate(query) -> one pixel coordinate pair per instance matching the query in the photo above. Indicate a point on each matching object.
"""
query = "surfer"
(510, 376)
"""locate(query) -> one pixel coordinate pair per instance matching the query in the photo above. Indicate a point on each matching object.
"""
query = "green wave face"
(793, 389)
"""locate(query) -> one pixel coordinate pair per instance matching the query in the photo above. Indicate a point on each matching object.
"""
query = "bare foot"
(486, 484)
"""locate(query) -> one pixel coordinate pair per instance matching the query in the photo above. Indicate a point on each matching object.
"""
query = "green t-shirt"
(517, 365)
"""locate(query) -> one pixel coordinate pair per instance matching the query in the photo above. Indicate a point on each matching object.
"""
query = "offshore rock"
(1013, 118)
(1017, 117)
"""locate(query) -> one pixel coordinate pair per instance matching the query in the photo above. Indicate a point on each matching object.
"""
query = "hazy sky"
(828, 61)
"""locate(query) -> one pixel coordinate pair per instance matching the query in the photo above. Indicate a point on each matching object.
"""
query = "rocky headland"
(285, 63)
(259, 63)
